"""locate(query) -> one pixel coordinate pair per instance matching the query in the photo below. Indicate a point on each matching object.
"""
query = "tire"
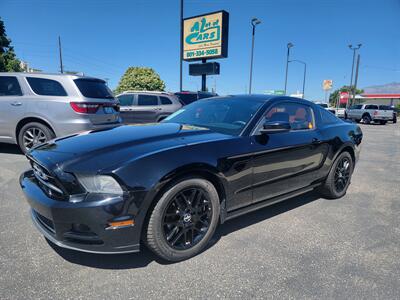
(166, 225)
(394, 120)
(330, 188)
(366, 119)
(38, 130)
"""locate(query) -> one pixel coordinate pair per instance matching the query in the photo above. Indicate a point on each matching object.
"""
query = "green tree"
(334, 96)
(8, 59)
(140, 79)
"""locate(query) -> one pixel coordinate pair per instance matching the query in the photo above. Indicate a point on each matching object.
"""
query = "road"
(306, 247)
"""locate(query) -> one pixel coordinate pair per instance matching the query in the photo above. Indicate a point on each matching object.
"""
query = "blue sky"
(103, 37)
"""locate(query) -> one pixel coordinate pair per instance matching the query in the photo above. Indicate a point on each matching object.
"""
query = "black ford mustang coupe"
(170, 184)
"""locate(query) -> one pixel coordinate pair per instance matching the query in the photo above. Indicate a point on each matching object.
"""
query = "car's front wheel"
(183, 220)
(366, 119)
(32, 134)
(338, 180)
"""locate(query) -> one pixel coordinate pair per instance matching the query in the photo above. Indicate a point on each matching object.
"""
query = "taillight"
(84, 107)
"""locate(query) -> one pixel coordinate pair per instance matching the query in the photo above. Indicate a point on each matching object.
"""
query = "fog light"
(120, 224)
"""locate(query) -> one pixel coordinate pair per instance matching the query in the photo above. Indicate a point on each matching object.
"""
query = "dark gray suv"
(147, 106)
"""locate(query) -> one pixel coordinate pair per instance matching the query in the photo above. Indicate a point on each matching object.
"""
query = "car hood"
(99, 149)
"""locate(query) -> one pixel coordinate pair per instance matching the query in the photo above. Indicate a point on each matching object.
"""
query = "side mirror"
(275, 127)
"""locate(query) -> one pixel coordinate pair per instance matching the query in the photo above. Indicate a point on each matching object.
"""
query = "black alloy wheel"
(183, 220)
(187, 218)
(339, 177)
(342, 174)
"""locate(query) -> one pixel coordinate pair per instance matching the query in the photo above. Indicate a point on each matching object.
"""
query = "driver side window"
(299, 116)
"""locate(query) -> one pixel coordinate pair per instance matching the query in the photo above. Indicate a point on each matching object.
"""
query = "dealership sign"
(206, 36)
(327, 84)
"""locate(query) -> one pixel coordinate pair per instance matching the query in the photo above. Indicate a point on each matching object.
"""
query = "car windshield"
(223, 115)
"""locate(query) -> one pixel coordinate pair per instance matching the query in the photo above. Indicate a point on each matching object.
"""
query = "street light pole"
(354, 49)
(289, 45)
(181, 46)
(304, 73)
(254, 23)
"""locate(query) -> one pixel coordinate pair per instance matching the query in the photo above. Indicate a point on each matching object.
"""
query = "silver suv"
(36, 107)
(146, 106)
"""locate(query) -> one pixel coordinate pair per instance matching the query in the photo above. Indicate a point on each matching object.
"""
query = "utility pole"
(59, 50)
(289, 45)
(356, 79)
(181, 47)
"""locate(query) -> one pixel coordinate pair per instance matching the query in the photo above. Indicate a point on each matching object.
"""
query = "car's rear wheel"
(183, 220)
(339, 177)
(32, 134)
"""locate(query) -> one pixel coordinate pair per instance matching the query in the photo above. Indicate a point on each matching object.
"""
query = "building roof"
(380, 96)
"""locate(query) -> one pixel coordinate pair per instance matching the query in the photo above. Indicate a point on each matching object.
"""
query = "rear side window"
(299, 116)
(9, 86)
(165, 100)
(327, 117)
(125, 100)
(385, 107)
(93, 88)
(147, 100)
(46, 87)
(187, 98)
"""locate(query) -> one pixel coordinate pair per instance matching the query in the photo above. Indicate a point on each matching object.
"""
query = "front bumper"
(80, 226)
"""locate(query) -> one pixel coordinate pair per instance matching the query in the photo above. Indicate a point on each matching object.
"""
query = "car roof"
(41, 74)
(263, 98)
(146, 92)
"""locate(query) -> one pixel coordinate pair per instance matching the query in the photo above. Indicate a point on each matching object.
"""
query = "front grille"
(45, 222)
(47, 182)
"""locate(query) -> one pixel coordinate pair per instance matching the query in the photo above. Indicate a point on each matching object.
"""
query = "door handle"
(316, 141)
(16, 103)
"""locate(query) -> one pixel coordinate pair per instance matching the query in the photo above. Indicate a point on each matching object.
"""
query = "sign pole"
(181, 46)
(204, 79)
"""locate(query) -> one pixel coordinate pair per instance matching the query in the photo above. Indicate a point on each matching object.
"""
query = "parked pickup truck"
(368, 113)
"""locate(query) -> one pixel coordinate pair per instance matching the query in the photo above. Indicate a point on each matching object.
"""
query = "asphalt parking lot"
(306, 247)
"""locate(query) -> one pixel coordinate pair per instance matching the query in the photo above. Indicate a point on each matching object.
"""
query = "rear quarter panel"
(339, 136)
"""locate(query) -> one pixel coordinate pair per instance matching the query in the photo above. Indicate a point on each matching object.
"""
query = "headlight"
(102, 184)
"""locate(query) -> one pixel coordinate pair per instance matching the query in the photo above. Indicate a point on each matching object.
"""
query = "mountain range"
(389, 88)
